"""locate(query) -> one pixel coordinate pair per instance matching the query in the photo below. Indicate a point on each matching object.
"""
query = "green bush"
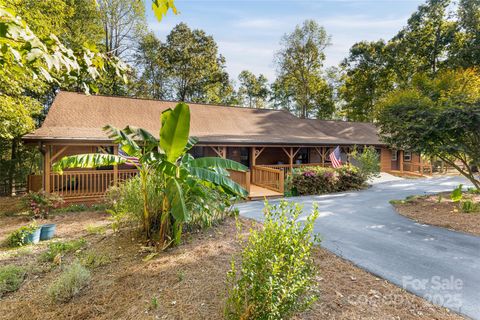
(320, 180)
(93, 260)
(367, 161)
(56, 248)
(468, 206)
(72, 280)
(18, 237)
(277, 273)
(206, 203)
(40, 203)
(457, 193)
(11, 278)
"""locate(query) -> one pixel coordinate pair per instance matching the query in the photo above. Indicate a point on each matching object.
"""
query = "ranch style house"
(270, 142)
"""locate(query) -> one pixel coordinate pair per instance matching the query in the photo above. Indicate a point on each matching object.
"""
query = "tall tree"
(465, 51)
(437, 117)
(299, 66)
(366, 78)
(196, 68)
(151, 65)
(253, 90)
(423, 44)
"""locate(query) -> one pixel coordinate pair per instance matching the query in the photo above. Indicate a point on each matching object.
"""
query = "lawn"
(185, 282)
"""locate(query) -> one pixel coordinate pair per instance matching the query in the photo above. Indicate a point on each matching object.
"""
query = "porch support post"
(252, 156)
(400, 160)
(290, 156)
(47, 166)
(115, 167)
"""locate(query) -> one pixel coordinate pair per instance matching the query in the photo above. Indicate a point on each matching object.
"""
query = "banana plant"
(168, 158)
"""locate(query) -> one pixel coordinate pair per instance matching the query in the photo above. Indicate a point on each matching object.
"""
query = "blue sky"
(248, 32)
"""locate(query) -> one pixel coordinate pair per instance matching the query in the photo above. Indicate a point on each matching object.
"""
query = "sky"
(248, 32)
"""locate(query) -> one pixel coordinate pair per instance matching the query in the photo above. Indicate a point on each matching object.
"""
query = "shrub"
(320, 180)
(11, 277)
(468, 206)
(367, 162)
(72, 280)
(457, 194)
(207, 205)
(40, 203)
(18, 237)
(93, 260)
(59, 248)
(277, 274)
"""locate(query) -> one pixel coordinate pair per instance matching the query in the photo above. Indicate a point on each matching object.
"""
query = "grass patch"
(93, 260)
(73, 279)
(98, 230)
(75, 207)
(11, 278)
(60, 248)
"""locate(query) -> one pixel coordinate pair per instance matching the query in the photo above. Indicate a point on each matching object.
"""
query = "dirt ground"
(440, 210)
(187, 282)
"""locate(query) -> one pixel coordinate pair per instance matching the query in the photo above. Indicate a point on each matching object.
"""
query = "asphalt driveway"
(441, 265)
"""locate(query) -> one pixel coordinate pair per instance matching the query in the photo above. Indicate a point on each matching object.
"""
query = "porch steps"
(260, 193)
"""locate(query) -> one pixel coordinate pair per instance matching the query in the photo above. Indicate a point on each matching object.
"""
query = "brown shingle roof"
(75, 116)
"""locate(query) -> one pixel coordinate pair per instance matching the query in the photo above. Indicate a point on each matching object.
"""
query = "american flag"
(131, 161)
(335, 158)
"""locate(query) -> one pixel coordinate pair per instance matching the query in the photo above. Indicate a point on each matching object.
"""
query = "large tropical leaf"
(220, 180)
(175, 130)
(148, 140)
(128, 145)
(210, 162)
(89, 160)
(177, 202)
(192, 141)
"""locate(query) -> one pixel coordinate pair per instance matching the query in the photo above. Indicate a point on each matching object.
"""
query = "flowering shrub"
(40, 203)
(320, 180)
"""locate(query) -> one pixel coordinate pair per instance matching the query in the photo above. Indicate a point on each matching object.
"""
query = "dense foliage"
(277, 275)
(19, 237)
(320, 180)
(367, 160)
(11, 278)
(437, 117)
(168, 168)
(440, 35)
(40, 203)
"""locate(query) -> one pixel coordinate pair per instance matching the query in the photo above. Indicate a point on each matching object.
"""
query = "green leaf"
(209, 162)
(177, 202)
(143, 135)
(175, 130)
(219, 180)
(89, 160)
(127, 143)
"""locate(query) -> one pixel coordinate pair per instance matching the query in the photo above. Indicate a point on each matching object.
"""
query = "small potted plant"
(24, 235)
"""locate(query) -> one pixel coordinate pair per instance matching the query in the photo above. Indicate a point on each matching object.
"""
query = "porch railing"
(417, 168)
(242, 178)
(269, 178)
(86, 184)
(286, 167)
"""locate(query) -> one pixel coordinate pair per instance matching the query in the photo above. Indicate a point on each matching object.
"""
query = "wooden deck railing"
(242, 178)
(87, 183)
(269, 178)
(417, 168)
(286, 167)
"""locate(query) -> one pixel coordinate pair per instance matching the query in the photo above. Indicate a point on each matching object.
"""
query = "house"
(269, 142)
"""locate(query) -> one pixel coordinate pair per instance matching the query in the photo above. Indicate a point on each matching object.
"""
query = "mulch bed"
(440, 210)
(188, 282)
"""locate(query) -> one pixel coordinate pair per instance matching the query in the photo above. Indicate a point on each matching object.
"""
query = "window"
(394, 155)
(407, 156)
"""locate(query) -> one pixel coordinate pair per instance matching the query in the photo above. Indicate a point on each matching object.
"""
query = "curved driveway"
(435, 263)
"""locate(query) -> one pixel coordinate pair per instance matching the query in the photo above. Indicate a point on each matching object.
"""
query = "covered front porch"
(268, 166)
